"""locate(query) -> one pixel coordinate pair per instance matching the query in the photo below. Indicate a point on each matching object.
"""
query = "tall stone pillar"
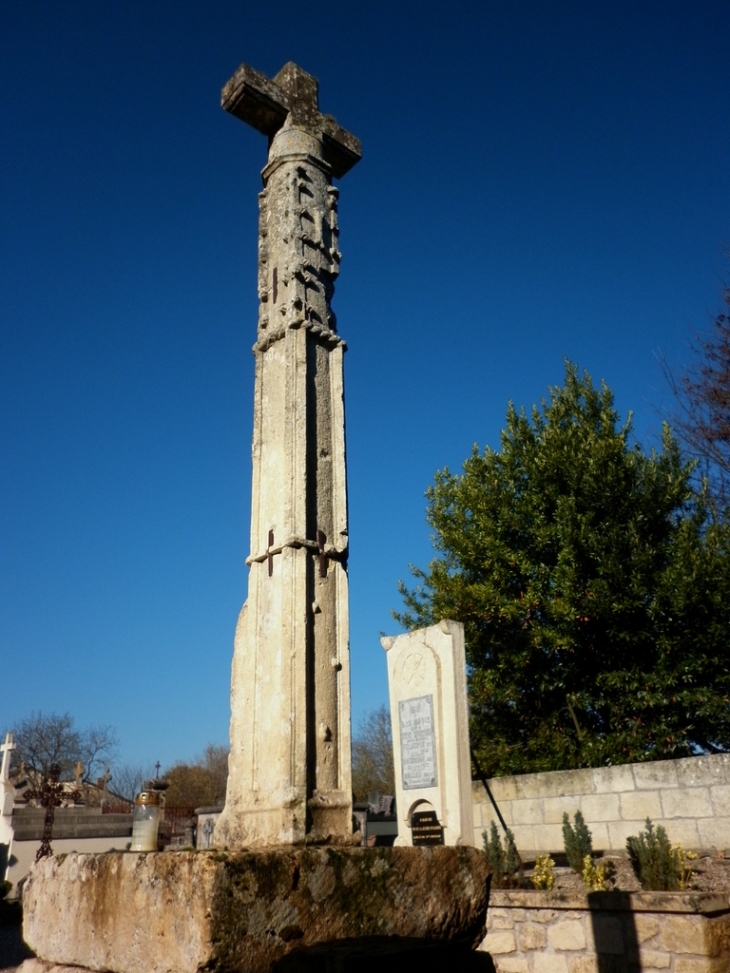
(289, 776)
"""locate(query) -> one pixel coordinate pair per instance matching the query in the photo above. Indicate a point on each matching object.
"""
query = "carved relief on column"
(264, 276)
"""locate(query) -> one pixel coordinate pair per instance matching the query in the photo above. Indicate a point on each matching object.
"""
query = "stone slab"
(430, 718)
(182, 912)
(689, 903)
(600, 807)
(696, 771)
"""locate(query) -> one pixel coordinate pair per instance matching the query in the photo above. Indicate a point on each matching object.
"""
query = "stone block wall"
(74, 829)
(608, 932)
(690, 797)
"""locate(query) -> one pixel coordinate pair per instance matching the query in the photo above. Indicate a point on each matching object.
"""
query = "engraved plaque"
(417, 742)
(426, 828)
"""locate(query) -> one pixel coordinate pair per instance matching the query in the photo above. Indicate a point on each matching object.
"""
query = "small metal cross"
(50, 800)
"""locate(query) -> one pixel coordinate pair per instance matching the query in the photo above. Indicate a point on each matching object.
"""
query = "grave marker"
(6, 749)
(430, 717)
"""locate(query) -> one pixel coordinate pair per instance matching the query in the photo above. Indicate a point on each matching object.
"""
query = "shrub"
(543, 876)
(577, 840)
(504, 862)
(597, 878)
(659, 866)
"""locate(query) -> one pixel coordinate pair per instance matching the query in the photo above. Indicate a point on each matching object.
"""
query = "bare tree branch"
(702, 396)
(44, 739)
(130, 779)
(372, 756)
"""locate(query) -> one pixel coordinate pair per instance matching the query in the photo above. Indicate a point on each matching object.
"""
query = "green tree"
(594, 591)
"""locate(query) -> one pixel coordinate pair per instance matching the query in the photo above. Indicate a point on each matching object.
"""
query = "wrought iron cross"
(50, 800)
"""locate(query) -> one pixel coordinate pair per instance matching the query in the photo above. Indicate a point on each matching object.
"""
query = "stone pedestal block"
(183, 912)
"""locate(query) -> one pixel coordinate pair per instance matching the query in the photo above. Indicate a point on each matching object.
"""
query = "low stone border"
(608, 932)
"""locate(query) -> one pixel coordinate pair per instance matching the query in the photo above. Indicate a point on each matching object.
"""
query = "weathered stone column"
(289, 770)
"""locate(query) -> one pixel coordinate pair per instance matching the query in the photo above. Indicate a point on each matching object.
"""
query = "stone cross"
(289, 768)
(6, 749)
(7, 791)
(208, 829)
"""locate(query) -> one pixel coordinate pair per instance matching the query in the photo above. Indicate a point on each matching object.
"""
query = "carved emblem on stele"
(414, 669)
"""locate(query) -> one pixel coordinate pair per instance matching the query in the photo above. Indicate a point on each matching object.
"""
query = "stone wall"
(608, 932)
(74, 829)
(690, 797)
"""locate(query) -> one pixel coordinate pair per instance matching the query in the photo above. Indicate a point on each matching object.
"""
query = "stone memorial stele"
(272, 897)
(430, 719)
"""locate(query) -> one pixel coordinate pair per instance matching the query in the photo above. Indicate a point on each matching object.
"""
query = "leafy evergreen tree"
(504, 863)
(659, 865)
(578, 841)
(594, 591)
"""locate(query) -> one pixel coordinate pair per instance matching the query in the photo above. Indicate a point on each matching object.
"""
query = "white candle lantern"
(145, 821)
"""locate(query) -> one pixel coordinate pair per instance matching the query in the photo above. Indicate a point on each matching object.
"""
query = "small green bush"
(597, 878)
(503, 862)
(544, 876)
(578, 841)
(659, 866)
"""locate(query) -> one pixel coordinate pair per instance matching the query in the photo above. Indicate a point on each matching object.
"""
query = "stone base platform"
(288, 910)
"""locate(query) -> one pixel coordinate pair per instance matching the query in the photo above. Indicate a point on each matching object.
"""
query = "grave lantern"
(145, 821)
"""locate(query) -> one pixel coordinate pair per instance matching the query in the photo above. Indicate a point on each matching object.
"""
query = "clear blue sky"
(539, 180)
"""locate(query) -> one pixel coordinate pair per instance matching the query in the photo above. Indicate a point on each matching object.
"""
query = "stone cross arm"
(265, 104)
(5, 749)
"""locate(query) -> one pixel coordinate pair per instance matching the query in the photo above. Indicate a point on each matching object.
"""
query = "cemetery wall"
(24, 852)
(690, 797)
(608, 932)
(74, 829)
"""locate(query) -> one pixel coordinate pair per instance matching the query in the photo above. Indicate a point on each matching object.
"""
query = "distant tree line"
(44, 739)
(372, 756)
